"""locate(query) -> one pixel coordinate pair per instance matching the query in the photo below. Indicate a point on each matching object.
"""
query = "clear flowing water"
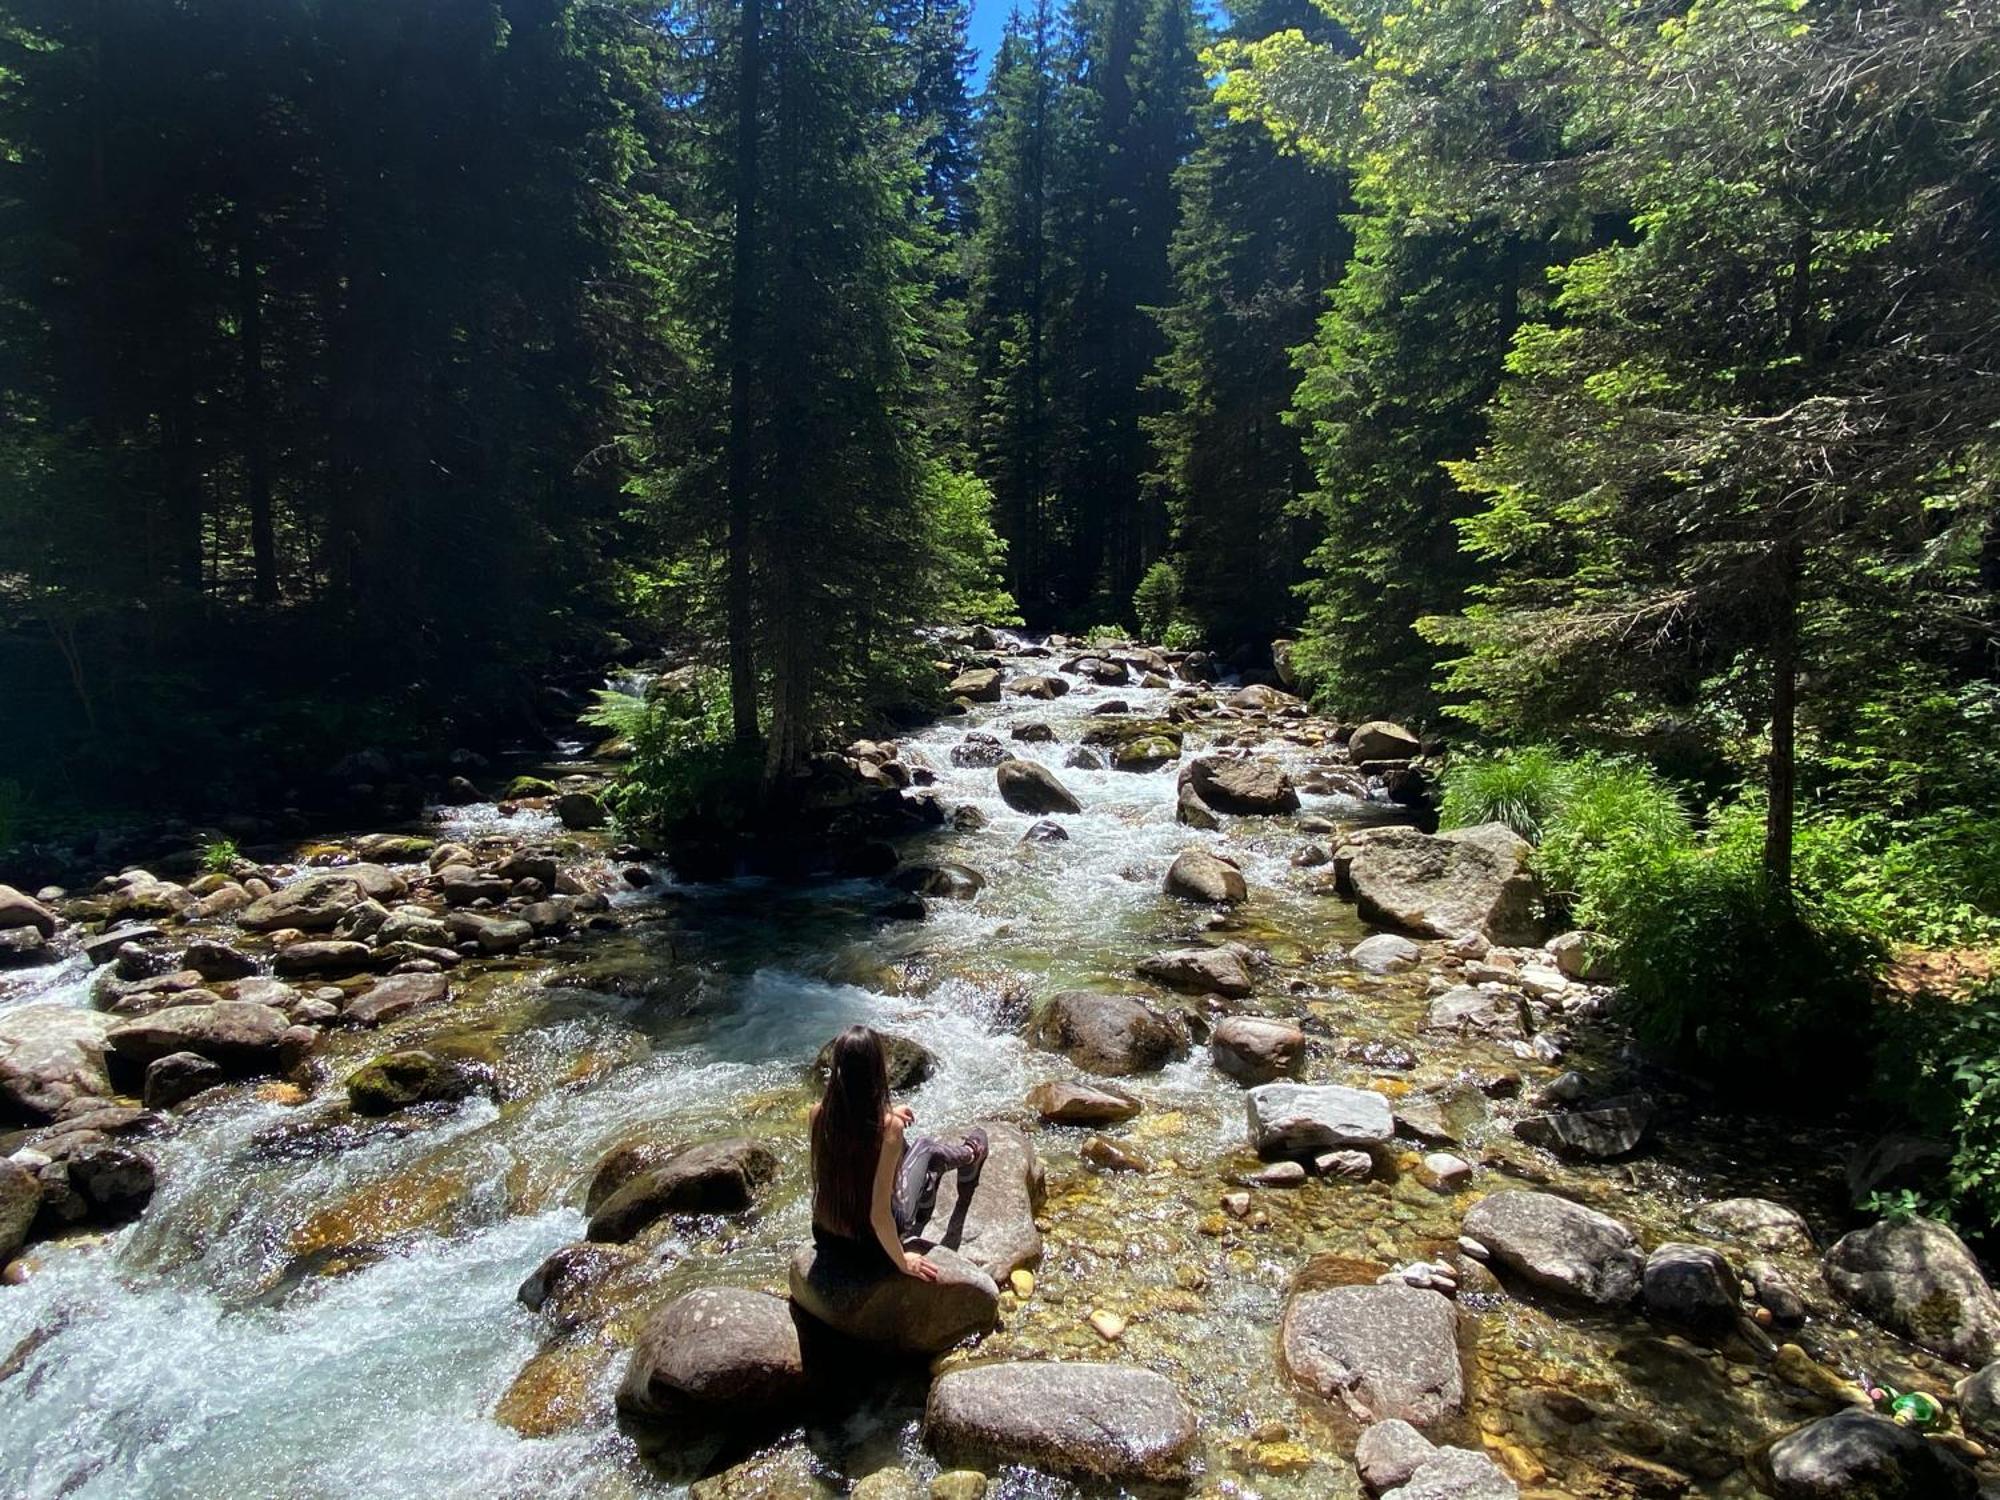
(305, 1313)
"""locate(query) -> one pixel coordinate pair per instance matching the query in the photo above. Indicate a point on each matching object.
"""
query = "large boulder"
(316, 902)
(490, 934)
(717, 1357)
(18, 910)
(1296, 1119)
(1201, 971)
(1857, 1455)
(1559, 1246)
(1253, 786)
(1029, 787)
(1110, 1034)
(1471, 881)
(1257, 1049)
(50, 1056)
(1197, 875)
(980, 685)
(1380, 740)
(1919, 1281)
(1065, 1103)
(243, 1037)
(1042, 685)
(1117, 1424)
(713, 1177)
(1379, 1351)
(20, 1200)
(876, 1305)
(1612, 1129)
(993, 1226)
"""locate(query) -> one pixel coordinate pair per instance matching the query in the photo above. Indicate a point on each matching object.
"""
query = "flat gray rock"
(1296, 1119)
(1390, 1453)
(1380, 1351)
(1559, 1246)
(1458, 1474)
(992, 1226)
(1115, 1423)
(1469, 881)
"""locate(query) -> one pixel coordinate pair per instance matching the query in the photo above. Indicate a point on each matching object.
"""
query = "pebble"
(1022, 1282)
(1236, 1205)
(1467, 1245)
(1109, 1325)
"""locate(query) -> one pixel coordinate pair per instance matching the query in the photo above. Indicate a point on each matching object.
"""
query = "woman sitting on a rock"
(872, 1185)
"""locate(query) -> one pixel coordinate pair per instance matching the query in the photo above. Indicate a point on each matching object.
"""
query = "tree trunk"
(256, 408)
(742, 321)
(1782, 767)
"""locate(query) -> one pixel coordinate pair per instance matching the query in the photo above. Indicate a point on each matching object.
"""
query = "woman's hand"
(918, 1267)
(904, 1113)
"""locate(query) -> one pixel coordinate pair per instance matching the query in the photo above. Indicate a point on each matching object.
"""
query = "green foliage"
(1106, 635)
(1720, 968)
(1941, 1067)
(1182, 635)
(685, 772)
(1157, 600)
(1521, 788)
(219, 856)
(971, 559)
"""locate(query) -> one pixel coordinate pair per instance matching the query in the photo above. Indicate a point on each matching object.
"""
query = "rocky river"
(468, 1157)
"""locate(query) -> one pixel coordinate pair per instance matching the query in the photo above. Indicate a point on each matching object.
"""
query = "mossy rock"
(397, 1080)
(1146, 754)
(529, 786)
(1117, 730)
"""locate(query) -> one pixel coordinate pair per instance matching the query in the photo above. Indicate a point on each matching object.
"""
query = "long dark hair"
(847, 1134)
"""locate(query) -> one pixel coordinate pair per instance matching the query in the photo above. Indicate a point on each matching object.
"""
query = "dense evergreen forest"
(1613, 386)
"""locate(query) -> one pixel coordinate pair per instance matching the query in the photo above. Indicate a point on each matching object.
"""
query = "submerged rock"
(1114, 1423)
(1029, 787)
(1110, 1034)
(889, 1308)
(1295, 1119)
(1468, 881)
(1559, 1246)
(1380, 1351)
(1613, 1129)
(1857, 1455)
(1919, 1281)
(1197, 875)
(717, 1357)
(1500, 1015)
